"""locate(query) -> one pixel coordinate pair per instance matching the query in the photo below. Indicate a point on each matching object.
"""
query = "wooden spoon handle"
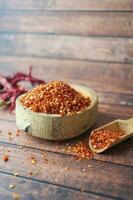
(129, 121)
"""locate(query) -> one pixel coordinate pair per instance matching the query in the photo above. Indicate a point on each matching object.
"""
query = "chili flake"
(9, 133)
(81, 150)
(33, 160)
(55, 97)
(15, 196)
(16, 174)
(12, 186)
(83, 170)
(103, 138)
(5, 158)
(66, 168)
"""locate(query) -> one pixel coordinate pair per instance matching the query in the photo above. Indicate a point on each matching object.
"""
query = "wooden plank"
(122, 154)
(28, 189)
(115, 99)
(85, 5)
(96, 24)
(114, 110)
(53, 171)
(118, 77)
(69, 47)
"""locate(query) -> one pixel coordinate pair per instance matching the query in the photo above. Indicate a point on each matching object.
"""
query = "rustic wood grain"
(69, 47)
(89, 42)
(86, 5)
(28, 189)
(122, 154)
(118, 77)
(84, 24)
(118, 111)
(54, 172)
(115, 98)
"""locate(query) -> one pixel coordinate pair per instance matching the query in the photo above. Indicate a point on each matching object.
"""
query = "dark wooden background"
(81, 41)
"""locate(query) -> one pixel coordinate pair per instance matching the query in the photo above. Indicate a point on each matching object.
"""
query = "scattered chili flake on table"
(30, 173)
(0, 133)
(12, 186)
(10, 89)
(83, 170)
(16, 196)
(18, 133)
(66, 168)
(55, 97)
(81, 150)
(103, 138)
(9, 133)
(33, 160)
(5, 158)
(16, 174)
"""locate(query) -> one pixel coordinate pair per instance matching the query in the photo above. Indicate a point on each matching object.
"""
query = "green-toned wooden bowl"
(55, 126)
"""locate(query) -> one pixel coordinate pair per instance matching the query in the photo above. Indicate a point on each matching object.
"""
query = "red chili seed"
(103, 138)
(55, 97)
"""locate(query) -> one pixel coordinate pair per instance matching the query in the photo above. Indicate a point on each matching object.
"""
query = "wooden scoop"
(125, 125)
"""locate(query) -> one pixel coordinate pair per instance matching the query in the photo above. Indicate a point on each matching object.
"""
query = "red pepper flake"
(0, 133)
(16, 196)
(11, 138)
(18, 133)
(81, 150)
(103, 138)
(33, 160)
(46, 161)
(55, 97)
(9, 133)
(83, 170)
(66, 168)
(16, 174)
(12, 186)
(5, 158)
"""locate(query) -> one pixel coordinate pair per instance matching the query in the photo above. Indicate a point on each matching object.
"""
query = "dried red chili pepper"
(10, 90)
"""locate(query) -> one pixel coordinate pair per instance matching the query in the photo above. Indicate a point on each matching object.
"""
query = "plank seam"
(63, 11)
(63, 186)
(68, 58)
(14, 145)
(65, 35)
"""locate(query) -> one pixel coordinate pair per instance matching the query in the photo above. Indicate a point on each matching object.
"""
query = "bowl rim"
(91, 93)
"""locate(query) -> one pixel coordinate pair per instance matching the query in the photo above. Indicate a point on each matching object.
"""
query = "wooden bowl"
(55, 126)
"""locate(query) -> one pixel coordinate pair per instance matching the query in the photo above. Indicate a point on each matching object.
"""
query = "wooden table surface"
(82, 41)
